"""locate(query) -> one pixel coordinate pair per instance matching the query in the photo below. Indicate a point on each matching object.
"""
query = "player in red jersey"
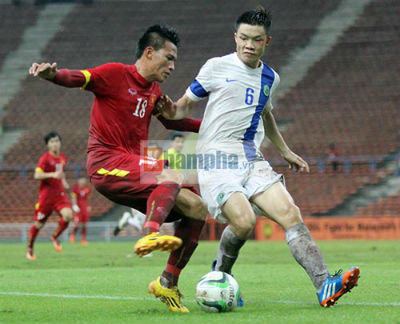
(125, 100)
(80, 205)
(52, 195)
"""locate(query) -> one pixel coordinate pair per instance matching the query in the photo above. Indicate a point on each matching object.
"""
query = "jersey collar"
(257, 69)
(139, 78)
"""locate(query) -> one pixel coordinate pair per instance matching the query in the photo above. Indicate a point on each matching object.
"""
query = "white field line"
(16, 293)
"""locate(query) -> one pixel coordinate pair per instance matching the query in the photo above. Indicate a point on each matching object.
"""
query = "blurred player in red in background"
(52, 195)
(80, 205)
(125, 101)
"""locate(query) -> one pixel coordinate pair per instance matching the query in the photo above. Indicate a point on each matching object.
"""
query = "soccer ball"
(217, 292)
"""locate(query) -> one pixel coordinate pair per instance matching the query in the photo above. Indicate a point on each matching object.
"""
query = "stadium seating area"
(19, 195)
(350, 97)
(389, 206)
(318, 193)
(9, 14)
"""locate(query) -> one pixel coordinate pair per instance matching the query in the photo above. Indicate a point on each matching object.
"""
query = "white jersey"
(232, 123)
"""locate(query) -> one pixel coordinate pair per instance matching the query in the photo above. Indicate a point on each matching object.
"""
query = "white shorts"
(216, 186)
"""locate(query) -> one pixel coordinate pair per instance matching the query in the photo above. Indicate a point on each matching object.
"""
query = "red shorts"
(82, 216)
(46, 206)
(128, 180)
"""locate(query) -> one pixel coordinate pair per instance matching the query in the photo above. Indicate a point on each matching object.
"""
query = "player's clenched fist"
(43, 70)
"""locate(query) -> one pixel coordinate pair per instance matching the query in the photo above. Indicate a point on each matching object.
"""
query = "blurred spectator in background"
(174, 154)
(333, 156)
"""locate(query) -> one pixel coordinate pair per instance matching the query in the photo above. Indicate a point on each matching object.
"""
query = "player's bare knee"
(243, 226)
(243, 232)
(67, 215)
(291, 216)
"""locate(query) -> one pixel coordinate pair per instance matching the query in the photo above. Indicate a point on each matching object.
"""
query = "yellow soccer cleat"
(157, 241)
(170, 297)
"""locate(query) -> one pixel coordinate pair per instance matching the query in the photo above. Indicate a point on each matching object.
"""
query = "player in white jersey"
(234, 175)
(134, 218)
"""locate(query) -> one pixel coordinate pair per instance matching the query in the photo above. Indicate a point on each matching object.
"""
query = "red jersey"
(82, 195)
(122, 109)
(51, 187)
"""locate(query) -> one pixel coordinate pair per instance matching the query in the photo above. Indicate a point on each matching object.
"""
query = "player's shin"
(75, 229)
(159, 205)
(189, 231)
(307, 253)
(228, 250)
(62, 225)
(84, 232)
(33, 232)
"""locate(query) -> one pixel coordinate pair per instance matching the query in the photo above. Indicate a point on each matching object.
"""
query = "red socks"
(84, 231)
(189, 231)
(33, 232)
(159, 205)
(75, 229)
(62, 225)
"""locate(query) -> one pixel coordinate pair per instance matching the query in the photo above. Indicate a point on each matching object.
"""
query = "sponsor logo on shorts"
(220, 197)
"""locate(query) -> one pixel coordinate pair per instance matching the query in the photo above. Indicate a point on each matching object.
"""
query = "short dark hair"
(255, 17)
(175, 135)
(51, 135)
(155, 36)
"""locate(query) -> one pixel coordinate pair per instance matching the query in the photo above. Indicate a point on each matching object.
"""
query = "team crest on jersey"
(152, 100)
(220, 197)
(132, 92)
(266, 90)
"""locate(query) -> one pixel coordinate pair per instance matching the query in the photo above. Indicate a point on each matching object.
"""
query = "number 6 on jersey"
(249, 96)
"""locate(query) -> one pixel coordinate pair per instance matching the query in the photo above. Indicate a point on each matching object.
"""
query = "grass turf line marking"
(15, 293)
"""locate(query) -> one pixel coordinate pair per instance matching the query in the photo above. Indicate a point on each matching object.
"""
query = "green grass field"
(106, 283)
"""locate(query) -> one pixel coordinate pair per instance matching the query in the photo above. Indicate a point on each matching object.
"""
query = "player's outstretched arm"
(64, 77)
(271, 130)
(183, 125)
(40, 175)
(174, 110)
